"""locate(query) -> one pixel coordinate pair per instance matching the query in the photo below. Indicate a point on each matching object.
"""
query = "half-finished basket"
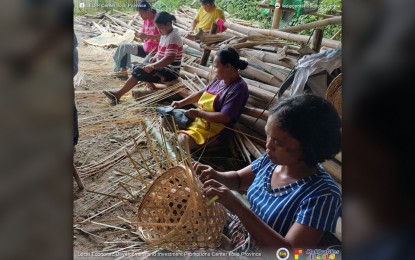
(334, 93)
(175, 215)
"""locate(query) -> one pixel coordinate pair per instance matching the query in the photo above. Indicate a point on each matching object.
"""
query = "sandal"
(111, 96)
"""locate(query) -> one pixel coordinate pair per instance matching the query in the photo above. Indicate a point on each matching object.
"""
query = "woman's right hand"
(176, 104)
(205, 172)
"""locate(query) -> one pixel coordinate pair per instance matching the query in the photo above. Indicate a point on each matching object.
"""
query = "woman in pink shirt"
(149, 34)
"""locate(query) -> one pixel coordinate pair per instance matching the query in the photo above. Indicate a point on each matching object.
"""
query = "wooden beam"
(316, 39)
(206, 53)
(277, 14)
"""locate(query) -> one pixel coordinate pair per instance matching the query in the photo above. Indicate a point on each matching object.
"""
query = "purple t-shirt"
(231, 101)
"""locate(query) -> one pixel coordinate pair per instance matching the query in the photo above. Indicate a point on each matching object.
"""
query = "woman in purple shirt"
(219, 105)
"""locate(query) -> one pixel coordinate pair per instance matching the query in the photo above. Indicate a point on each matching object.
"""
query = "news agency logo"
(283, 253)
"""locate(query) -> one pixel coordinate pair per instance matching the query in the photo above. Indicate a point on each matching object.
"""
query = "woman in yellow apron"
(219, 105)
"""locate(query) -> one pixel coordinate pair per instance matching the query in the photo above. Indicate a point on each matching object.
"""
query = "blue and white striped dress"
(313, 201)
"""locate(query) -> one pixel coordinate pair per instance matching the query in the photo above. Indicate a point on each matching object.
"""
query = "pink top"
(150, 29)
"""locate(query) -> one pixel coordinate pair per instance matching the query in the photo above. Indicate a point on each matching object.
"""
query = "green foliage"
(171, 5)
(246, 10)
(241, 9)
(326, 7)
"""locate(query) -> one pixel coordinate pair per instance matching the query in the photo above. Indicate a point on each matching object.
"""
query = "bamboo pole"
(276, 33)
(277, 14)
(118, 21)
(257, 126)
(200, 72)
(246, 130)
(260, 93)
(196, 46)
(263, 86)
(263, 76)
(336, 34)
(278, 59)
(267, 68)
(321, 23)
(256, 112)
(257, 102)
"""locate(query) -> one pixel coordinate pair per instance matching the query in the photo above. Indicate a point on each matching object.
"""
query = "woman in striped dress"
(164, 66)
(293, 201)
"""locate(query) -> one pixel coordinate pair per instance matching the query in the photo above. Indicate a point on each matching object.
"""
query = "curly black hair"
(314, 122)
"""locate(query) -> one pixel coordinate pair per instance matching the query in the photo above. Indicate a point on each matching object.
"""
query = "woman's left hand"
(226, 197)
(192, 113)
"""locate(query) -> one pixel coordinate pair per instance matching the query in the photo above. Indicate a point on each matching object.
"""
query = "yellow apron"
(200, 129)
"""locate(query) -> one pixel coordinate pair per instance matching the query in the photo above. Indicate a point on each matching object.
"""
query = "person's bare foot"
(123, 74)
(111, 96)
(151, 86)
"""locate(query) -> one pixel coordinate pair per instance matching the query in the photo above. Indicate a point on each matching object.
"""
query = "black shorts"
(141, 53)
(156, 76)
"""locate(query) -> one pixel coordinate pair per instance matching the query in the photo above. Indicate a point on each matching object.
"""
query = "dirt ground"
(104, 130)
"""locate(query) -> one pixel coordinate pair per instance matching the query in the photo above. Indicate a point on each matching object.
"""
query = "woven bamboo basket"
(174, 214)
(334, 93)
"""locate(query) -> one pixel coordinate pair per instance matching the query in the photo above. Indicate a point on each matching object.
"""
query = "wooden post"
(206, 53)
(277, 14)
(316, 40)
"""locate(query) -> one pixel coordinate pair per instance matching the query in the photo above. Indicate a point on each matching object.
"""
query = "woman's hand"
(148, 68)
(192, 113)
(177, 104)
(140, 35)
(226, 197)
(205, 172)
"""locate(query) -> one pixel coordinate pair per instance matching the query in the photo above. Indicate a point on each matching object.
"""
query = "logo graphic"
(277, 5)
(283, 253)
(298, 254)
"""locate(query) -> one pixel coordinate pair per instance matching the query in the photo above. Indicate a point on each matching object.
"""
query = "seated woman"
(149, 34)
(208, 14)
(219, 105)
(293, 201)
(164, 66)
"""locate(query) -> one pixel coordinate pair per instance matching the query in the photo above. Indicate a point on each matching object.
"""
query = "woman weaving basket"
(220, 104)
(293, 201)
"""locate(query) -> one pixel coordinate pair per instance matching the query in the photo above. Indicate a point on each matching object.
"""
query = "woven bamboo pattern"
(174, 214)
(334, 93)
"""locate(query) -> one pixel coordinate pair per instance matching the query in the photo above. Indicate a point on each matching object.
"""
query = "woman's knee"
(185, 140)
